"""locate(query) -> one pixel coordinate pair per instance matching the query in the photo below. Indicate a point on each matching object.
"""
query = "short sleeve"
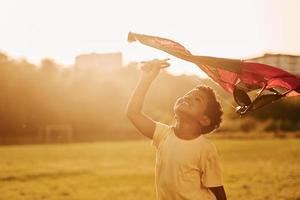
(212, 175)
(160, 133)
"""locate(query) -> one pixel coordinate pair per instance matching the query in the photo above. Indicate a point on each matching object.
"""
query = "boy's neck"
(187, 130)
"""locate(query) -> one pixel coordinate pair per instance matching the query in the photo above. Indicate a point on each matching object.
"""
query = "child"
(187, 164)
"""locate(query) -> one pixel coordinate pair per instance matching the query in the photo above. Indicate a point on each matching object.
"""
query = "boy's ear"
(204, 121)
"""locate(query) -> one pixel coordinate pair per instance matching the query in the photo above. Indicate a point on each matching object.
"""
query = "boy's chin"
(179, 112)
(183, 114)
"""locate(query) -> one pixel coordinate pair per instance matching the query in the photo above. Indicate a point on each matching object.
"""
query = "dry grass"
(253, 169)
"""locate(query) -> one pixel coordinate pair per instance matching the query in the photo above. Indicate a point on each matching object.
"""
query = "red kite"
(237, 77)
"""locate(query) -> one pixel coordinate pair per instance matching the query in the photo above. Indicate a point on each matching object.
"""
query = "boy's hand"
(150, 69)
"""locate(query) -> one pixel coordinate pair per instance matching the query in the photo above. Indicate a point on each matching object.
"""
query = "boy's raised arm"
(134, 112)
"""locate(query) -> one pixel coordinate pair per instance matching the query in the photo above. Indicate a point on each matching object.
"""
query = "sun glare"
(62, 30)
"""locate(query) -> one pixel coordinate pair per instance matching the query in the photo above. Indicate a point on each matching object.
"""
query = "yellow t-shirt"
(184, 168)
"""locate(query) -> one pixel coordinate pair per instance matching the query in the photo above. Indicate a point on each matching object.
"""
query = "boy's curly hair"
(213, 109)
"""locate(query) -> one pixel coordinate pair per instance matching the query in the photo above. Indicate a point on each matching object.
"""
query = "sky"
(63, 29)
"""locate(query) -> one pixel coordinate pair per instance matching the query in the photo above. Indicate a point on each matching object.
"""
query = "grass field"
(252, 169)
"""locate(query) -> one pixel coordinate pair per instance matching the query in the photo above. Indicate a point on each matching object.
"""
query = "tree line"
(92, 102)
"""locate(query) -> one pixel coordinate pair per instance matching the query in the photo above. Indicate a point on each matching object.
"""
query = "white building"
(290, 63)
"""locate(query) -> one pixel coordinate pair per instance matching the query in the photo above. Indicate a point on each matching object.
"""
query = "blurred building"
(106, 62)
(290, 63)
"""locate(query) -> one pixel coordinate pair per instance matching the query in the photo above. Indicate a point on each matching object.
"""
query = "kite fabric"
(226, 72)
(235, 76)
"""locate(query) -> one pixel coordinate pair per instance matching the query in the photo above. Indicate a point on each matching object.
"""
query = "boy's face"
(192, 105)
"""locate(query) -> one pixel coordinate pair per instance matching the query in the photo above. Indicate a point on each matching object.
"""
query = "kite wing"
(235, 76)
(163, 44)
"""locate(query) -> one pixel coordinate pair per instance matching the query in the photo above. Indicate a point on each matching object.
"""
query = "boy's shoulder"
(161, 131)
(208, 146)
